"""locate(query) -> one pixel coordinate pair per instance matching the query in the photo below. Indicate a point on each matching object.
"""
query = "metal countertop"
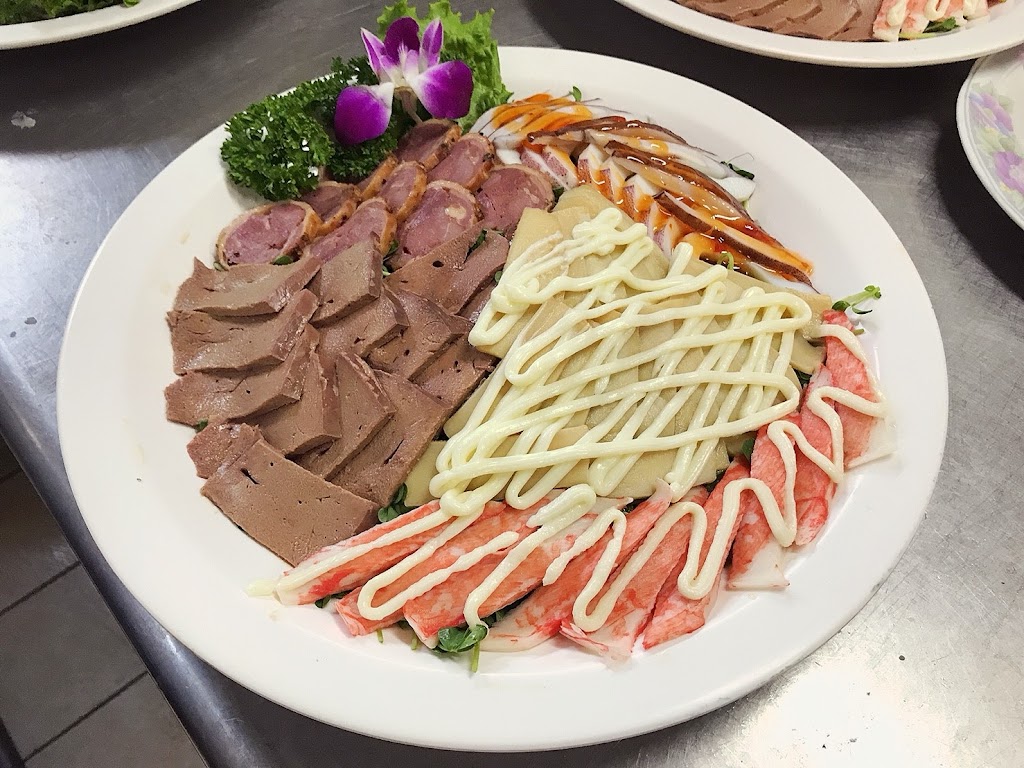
(929, 674)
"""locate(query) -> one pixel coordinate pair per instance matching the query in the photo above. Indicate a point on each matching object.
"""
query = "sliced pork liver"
(428, 142)
(267, 233)
(333, 202)
(386, 461)
(403, 189)
(372, 222)
(371, 185)
(445, 212)
(284, 507)
(202, 342)
(476, 305)
(467, 163)
(453, 376)
(429, 331)
(509, 191)
(364, 410)
(312, 421)
(244, 290)
(454, 272)
(363, 330)
(218, 444)
(349, 281)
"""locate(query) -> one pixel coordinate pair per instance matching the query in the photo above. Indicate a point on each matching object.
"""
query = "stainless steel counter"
(929, 674)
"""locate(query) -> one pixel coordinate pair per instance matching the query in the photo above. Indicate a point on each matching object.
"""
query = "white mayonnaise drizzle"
(555, 373)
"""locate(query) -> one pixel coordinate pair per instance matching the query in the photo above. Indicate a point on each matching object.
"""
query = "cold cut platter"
(514, 399)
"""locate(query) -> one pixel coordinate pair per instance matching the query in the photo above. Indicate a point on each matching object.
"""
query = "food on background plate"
(511, 383)
(850, 20)
(20, 11)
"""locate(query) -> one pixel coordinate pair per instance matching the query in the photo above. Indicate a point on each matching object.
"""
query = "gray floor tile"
(8, 463)
(147, 735)
(61, 654)
(32, 548)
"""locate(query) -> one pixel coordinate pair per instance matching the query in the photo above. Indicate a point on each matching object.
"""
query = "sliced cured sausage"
(403, 189)
(428, 142)
(509, 191)
(445, 212)
(467, 163)
(267, 233)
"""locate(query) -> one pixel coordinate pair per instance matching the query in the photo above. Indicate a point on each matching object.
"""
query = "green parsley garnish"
(397, 506)
(559, 191)
(747, 448)
(478, 242)
(203, 424)
(740, 171)
(282, 260)
(853, 301)
(803, 378)
(323, 601)
(938, 27)
(577, 94)
(497, 276)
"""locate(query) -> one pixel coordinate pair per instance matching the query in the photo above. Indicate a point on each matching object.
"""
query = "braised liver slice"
(219, 443)
(453, 376)
(350, 280)
(244, 290)
(364, 409)
(284, 507)
(363, 330)
(312, 421)
(385, 462)
(201, 342)
(429, 331)
(199, 396)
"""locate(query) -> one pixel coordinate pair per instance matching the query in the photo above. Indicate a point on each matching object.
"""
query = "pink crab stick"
(539, 617)
(633, 608)
(359, 570)
(496, 518)
(813, 488)
(849, 373)
(443, 606)
(674, 614)
(756, 555)
(889, 20)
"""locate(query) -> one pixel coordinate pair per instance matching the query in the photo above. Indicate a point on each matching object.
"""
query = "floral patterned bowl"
(990, 118)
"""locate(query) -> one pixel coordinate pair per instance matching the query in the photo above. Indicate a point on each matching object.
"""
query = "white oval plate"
(990, 118)
(1004, 30)
(84, 24)
(188, 564)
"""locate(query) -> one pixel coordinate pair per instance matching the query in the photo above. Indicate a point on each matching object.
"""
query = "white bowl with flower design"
(990, 118)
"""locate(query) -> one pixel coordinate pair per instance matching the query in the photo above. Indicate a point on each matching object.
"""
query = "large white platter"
(1004, 29)
(84, 24)
(188, 564)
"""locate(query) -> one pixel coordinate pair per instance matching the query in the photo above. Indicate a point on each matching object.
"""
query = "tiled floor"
(73, 692)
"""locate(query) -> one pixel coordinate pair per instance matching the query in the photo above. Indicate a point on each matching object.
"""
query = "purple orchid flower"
(409, 70)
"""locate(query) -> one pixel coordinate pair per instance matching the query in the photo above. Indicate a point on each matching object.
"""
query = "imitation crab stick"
(634, 606)
(539, 617)
(813, 488)
(496, 518)
(359, 570)
(674, 614)
(443, 605)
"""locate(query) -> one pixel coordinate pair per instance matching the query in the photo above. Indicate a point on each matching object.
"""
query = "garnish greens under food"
(19, 11)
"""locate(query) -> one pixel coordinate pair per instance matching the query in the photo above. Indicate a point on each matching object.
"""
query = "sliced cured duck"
(197, 397)
(384, 463)
(218, 443)
(314, 420)
(348, 282)
(364, 408)
(333, 202)
(267, 233)
(371, 185)
(509, 191)
(403, 189)
(284, 507)
(467, 163)
(372, 222)
(244, 290)
(363, 330)
(428, 142)
(445, 212)
(201, 342)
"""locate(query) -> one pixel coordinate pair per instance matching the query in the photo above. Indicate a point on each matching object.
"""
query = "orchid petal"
(403, 33)
(445, 89)
(433, 36)
(363, 112)
(376, 53)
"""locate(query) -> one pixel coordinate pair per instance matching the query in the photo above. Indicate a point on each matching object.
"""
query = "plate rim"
(963, 127)
(234, 668)
(29, 34)
(834, 53)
